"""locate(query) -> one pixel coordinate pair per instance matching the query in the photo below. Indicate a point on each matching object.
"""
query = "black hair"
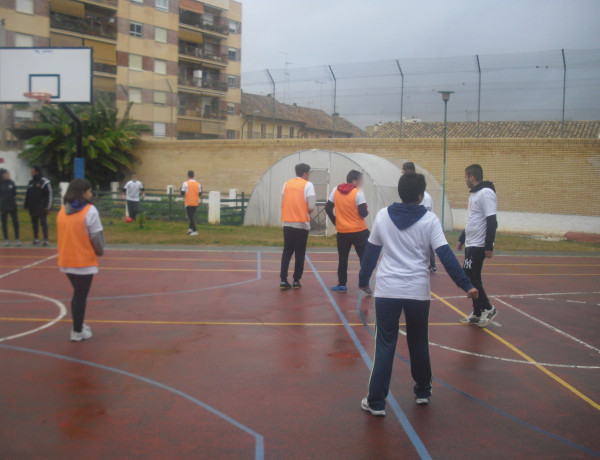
(410, 186)
(37, 168)
(3, 171)
(76, 190)
(190, 174)
(409, 166)
(475, 171)
(353, 175)
(301, 169)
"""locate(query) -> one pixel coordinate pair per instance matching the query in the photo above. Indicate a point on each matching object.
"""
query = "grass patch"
(157, 232)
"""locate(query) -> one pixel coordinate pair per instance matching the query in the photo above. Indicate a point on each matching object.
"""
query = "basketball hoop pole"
(79, 170)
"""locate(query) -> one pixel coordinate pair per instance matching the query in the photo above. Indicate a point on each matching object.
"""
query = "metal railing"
(215, 85)
(195, 51)
(90, 25)
(195, 20)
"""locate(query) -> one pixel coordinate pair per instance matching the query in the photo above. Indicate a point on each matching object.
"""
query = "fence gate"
(318, 218)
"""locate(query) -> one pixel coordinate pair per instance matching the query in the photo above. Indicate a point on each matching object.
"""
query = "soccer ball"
(128, 220)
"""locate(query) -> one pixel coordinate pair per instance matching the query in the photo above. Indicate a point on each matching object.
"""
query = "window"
(232, 55)
(160, 66)
(160, 35)
(135, 62)
(135, 29)
(25, 6)
(233, 27)
(291, 132)
(162, 5)
(160, 129)
(160, 97)
(135, 95)
(263, 131)
(279, 131)
(231, 109)
(23, 40)
(137, 1)
(231, 81)
(231, 134)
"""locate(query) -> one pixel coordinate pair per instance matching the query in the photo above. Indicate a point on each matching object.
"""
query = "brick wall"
(558, 176)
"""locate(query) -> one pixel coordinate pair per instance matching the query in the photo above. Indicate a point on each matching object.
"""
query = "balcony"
(111, 4)
(202, 107)
(195, 20)
(197, 53)
(97, 26)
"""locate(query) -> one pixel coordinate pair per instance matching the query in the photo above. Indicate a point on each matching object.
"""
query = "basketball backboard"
(64, 73)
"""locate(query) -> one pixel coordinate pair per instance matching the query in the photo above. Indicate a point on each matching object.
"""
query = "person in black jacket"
(38, 201)
(8, 206)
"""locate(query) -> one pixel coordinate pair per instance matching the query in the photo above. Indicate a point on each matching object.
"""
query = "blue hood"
(405, 215)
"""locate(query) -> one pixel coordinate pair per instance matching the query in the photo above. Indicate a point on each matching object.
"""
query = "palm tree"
(108, 142)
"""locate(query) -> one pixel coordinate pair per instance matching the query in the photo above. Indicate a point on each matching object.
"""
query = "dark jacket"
(8, 193)
(38, 199)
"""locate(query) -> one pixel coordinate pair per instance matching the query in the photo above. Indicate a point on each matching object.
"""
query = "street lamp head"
(446, 95)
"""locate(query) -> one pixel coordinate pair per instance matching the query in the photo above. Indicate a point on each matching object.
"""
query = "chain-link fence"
(559, 85)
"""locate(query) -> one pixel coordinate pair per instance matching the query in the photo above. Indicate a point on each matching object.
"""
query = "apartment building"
(178, 61)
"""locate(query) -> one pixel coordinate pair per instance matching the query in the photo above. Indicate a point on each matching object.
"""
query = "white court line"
(549, 326)
(520, 296)
(575, 301)
(61, 308)
(508, 360)
(25, 267)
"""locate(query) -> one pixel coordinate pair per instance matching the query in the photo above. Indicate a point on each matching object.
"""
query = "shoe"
(190, 231)
(471, 319)
(85, 334)
(45, 243)
(367, 290)
(6, 243)
(364, 404)
(18, 243)
(36, 241)
(339, 288)
(422, 401)
(487, 316)
(296, 285)
(194, 234)
(432, 269)
(284, 286)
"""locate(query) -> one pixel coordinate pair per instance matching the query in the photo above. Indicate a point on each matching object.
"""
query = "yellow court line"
(525, 356)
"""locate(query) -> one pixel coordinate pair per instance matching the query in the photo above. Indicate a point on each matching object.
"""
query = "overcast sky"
(314, 32)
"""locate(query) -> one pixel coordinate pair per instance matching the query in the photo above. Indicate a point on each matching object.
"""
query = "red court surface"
(197, 354)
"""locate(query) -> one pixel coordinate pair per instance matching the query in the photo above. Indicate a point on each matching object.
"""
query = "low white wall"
(535, 223)
(18, 168)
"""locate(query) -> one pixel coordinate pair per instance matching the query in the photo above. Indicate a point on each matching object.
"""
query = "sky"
(314, 32)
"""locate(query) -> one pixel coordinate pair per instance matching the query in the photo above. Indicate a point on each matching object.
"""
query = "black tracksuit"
(8, 206)
(38, 201)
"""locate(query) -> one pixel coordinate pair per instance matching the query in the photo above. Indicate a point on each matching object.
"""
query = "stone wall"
(556, 176)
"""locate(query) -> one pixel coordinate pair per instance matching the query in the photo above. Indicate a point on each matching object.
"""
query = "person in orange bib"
(80, 242)
(350, 206)
(298, 201)
(192, 191)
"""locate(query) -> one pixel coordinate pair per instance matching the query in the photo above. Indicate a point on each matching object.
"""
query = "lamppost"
(445, 98)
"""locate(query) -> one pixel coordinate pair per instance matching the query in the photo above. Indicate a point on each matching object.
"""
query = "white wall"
(18, 168)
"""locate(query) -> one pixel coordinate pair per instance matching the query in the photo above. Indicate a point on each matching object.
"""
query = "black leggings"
(35, 221)
(345, 241)
(15, 219)
(294, 242)
(473, 264)
(81, 288)
(191, 215)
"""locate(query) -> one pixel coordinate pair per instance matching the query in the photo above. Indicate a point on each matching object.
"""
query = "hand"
(473, 293)
(459, 245)
(489, 254)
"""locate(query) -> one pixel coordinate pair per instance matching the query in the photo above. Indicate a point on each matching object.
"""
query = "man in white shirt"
(478, 239)
(405, 233)
(131, 193)
(297, 202)
(428, 204)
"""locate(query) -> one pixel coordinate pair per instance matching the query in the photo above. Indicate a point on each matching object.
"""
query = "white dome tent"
(329, 169)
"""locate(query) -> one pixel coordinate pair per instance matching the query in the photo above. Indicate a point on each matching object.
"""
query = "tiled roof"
(493, 129)
(312, 119)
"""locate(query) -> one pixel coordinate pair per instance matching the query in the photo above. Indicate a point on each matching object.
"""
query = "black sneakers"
(296, 285)
(284, 286)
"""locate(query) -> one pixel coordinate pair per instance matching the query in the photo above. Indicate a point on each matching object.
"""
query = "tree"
(108, 142)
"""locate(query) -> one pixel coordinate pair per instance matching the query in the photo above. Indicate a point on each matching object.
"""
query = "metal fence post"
(243, 208)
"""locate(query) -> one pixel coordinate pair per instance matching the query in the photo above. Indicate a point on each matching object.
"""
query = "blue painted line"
(258, 266)
(259, 451)
(406, 425)
(479, 401)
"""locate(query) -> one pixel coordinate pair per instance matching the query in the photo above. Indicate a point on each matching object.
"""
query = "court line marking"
(525, 356)
(575, 301)
(406, 425)
(475, 399)
(549, 326)
(31, 265)
(525, 295)
(259, 441)
(62, 311)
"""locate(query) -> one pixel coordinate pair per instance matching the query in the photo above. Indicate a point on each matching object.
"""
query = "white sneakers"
(364, 404)
(193, 234)
(487, 316)
(422, 401)
(85, 334)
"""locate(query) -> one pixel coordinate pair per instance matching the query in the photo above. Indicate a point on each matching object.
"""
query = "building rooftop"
(491, 129)
(312, 119)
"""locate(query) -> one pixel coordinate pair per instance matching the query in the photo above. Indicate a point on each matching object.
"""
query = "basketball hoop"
(37, 99)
